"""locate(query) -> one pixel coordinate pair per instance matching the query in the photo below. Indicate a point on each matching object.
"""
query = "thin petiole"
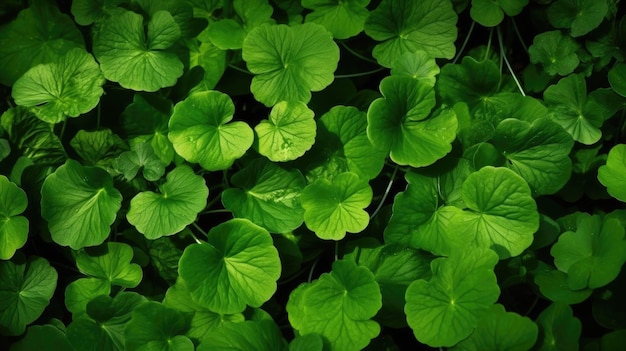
(488, 44)
(360, 74)
(382, 201)
(469, 34)
(240, 69)
(310, 278)
(506, 61)
(356, 54)
(195, 225)
(519, 35)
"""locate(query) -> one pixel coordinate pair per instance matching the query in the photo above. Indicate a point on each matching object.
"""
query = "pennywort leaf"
(13, 226)
(555, 51)
(613, 174)
(155, 327)
(490, 13)
(111, 263)
(343, 19)
(581, 16)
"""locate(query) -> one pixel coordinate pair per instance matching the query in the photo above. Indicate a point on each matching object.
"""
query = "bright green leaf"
(613, 174)
(559, 329)
(13, 227)
(581, 16)
(284, 68)
(96, 147)
(338, 306)
(65, 87)
(155, 327)
(553, 285)
(43, 337)
(183, 195)
(79, 292)
(446, 309)
(288, 133)
(267, 195)
(308, 342)
(201, 132)
(210, 58)
(26, 287)
(401, 121)
(490, 13)
(80, 204)
(238, 266)
(344, 19)
(39, 34)
(137, 58)
(229, 33)
(248, 335)
(417, 65)
(111, 263)
(334, 208)
(141, 157)
(555, 51)
(410, 26)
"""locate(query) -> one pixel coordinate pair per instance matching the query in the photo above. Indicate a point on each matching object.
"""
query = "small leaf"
(581, 16)
(141, 157)
(201, 132)
(344, 19)
(111, 263)
(155, 327)
(229, 33)
(334, 208)
(66, 87)
(417, 65)
(286, 70)
(617, 78)
(183, 195)
(97, 146)
(13, 227)
(409, 26)
(555, 51)
(559, 329)
(288, 133)
(267, 195)
(80, 204)
(238, 266)
(491, 13)
(26, 287)
(613, 174)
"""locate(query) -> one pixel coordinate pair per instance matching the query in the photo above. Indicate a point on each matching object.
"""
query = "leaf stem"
(195, 225)
(506, 61)
(469, 33)
(98, 114)
(488, 44)
(336, 250)
(240, 69)
(360, 74)
(219, 210)
(310, 277)
(382, 201)
(519, 35)
(63, 129)
(356, 54)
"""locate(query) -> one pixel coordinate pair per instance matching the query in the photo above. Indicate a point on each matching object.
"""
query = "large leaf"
(344, 19)
(446, 309)
(65, 87)
(26, 287)
(39, 34)
(201, 132)
(339, 306)
(238, 266)
(181, 198)
(410, 26)
(284, 68)
(13, 227)
(111, 263)
(613, 174)
(334, 208)
(155, 327)
(80, 204)
(137, 58)
(581, 16)
(248, 335)
(43, 337)
(267, 195)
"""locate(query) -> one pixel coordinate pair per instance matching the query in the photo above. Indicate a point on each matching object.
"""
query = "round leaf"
(617, 78)
(137, 58)
(471, 81)
(344, 19)
(288, 133)
(80, 204)
(417, 65)
(111, 263)
(43, 337)
(238, 266)
(332, 209)
(582, 16)
(26, 287)
(559, 329)
(181, 198)
(248, 335)
(13, 227)
(79, 292)
(200, 131)
(154, 327)
(409, 26)
(284, 68)
(268, 196)
(613, 174)
(68, 86)
(555, 51)
(87, 12)
(490, 13)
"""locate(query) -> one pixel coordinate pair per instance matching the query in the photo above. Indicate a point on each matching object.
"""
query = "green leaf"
(490, 13)
(401, 121)
(80, 204)
(43, 337)
(344, 19)
(501, 330)
(155, 327)
(267, 195)
(102, 328)
(204, 323)
(248, 335)
(553, 285)
(471, 81)
(446, 309)
(229, 33)
(111, 263)
(538, 151)
(86, 12)
(13, 227)
(284, 68)
(555, 51)
(202, 53)
(201, 132)
(97, 146)
(238, 266)
(334, 208)
(26, 287)
(39, 34)
(65, 87)
(417, 65)
(308, 342)
(141, 157)
(613, 174)
(288, 133)
(409, 26)
(617, 78)
(79, 292)
(183, 195)
(559, 329)
(581, 16)
(137, 58)
(593, 255)
(501, 214)
(338, 306)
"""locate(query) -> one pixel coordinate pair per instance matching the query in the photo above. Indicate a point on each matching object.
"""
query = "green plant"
(312, 175)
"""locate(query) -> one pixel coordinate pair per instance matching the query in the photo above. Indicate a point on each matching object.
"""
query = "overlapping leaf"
(13, 227)
(613, 174)
(229, 33)
(555, 51)
(155, 327)
(559, 329)
(344, 19)
(418, 65)
(581, 16)
(490, 13)
(248, 335)
(111, 263)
